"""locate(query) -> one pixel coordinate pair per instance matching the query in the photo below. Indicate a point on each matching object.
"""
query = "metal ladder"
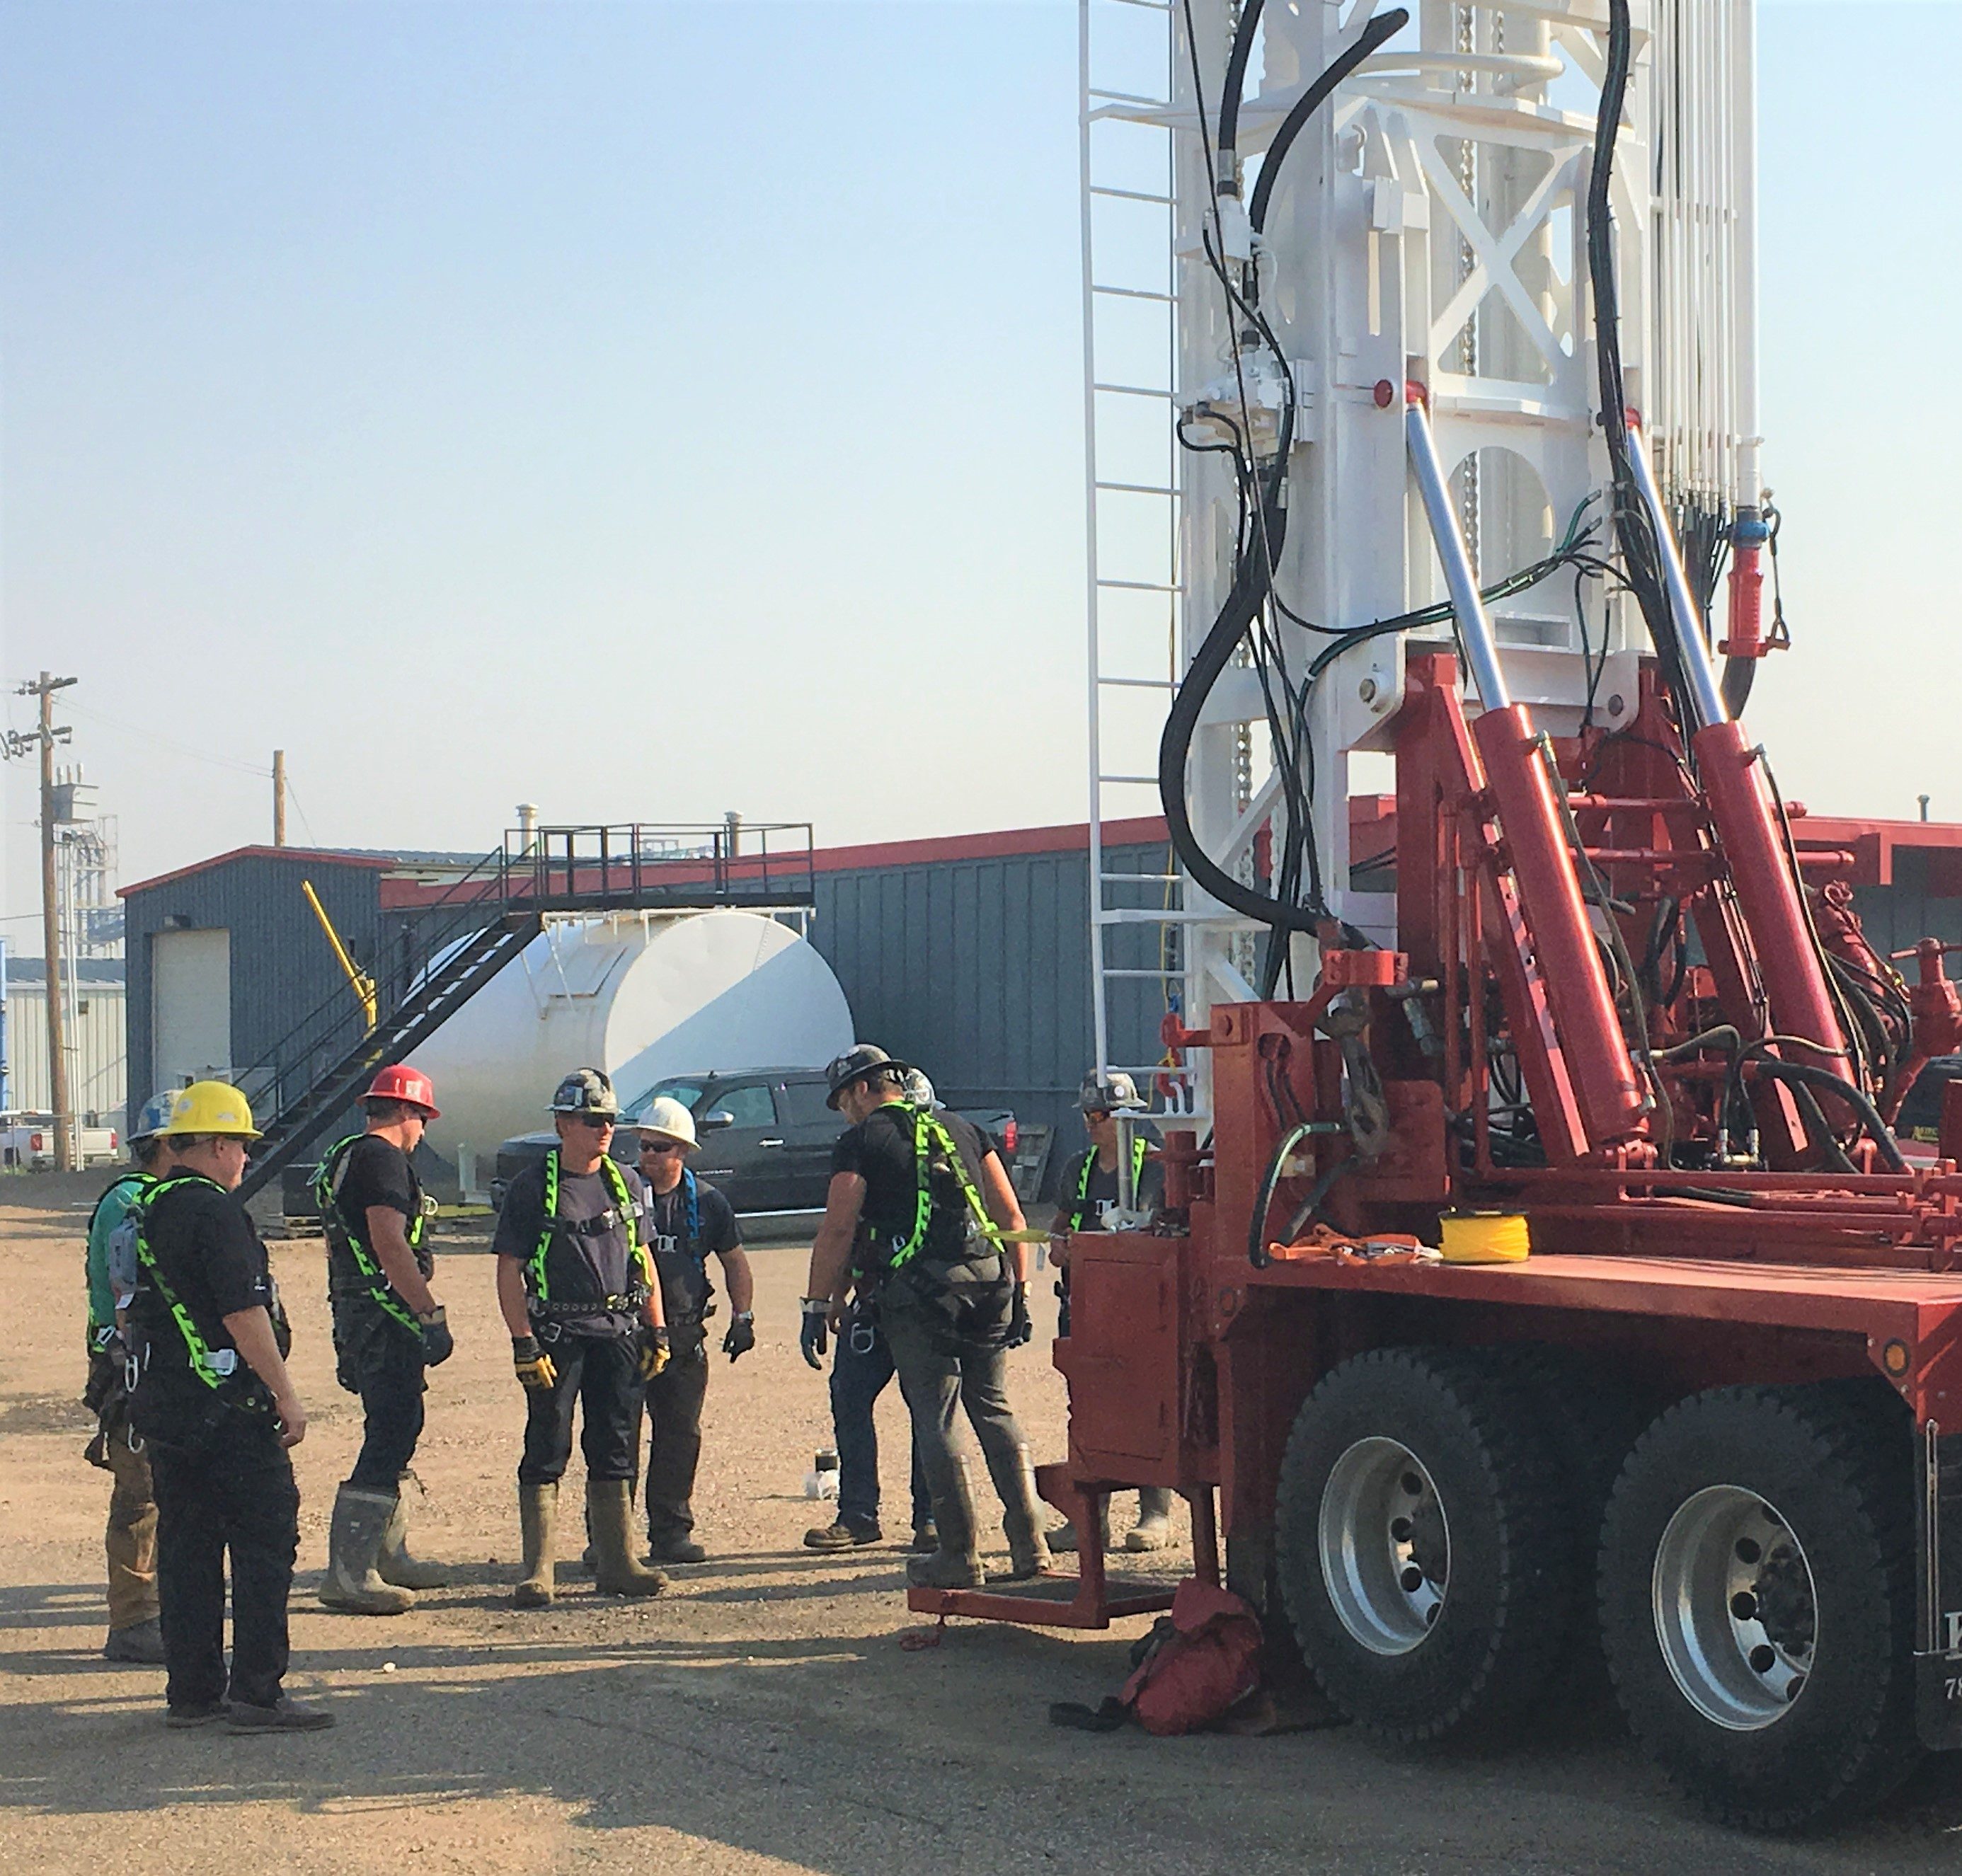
(1131, 494)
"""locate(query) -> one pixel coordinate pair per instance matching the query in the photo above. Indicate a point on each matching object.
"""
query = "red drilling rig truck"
(1538, 1285)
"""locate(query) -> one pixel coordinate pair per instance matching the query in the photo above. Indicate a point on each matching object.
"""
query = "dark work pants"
(385, 1362)
(233, 1492)
(937, 1385)
(602, 1378)
(674, 1406)
(859, 1371)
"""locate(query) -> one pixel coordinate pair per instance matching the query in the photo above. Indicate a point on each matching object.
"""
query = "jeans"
(384, 1362)
(674, 1406)
(935, 1384)
(603, 1377)
(230, 1491)
(859, 1372)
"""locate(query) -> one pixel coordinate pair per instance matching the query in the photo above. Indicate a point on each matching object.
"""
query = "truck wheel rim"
(1735, 1611)
(1385, 1546)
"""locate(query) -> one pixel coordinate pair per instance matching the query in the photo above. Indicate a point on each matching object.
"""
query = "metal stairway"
(449, 946)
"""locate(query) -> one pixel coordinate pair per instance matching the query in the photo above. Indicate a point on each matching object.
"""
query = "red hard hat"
(399, 1082)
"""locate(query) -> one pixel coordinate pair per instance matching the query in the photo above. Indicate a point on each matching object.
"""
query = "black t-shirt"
(582, 1265)
(880, 1150)
(206, 1248)
(1099, 1199)
(378, 1172)
(682, 1259)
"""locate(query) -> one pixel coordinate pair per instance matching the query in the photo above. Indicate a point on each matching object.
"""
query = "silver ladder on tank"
(1146, 929)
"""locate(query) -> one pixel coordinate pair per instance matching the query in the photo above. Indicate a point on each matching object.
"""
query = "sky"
(651, 410)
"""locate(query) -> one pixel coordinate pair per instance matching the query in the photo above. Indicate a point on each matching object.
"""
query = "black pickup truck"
(766, 1137)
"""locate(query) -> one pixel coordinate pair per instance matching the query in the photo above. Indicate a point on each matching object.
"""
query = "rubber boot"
(537, 1513)
(1063, 1537)
(354, 1539)
(1153, 1529)
(1014, 1476)
(617, 1572)
(956, 1564)
(393, 1563)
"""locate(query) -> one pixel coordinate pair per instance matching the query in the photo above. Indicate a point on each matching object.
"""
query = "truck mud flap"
(1938, 1661)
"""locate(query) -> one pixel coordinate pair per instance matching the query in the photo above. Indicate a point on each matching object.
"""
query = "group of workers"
(919, 1270)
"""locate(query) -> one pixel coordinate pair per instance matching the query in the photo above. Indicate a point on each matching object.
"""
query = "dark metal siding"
(978, 971)
(282, 966)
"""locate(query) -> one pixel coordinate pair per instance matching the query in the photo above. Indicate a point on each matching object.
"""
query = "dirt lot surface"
(763, 1714)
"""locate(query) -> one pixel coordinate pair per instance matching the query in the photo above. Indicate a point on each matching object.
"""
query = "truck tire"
(1757, 1592)
(1419, 1543)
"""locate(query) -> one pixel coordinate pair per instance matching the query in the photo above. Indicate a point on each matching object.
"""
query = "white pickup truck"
(28, 1139)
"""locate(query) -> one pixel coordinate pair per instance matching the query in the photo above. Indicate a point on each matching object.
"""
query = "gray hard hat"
(1107, 1094)
(919, 1090)
(860, 1060)
(586, 1091)
(153, 1117)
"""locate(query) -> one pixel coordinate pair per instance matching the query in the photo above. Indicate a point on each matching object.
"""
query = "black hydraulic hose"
(1229, 97)
(1842, 1089)
(1257, 1254)
(1383, 27)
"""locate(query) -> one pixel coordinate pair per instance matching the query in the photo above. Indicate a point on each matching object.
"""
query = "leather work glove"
(813, 1334)
(438, 1344)
(536, 1368)
(741, 1336)
(1020, 1329)
(654, 1352)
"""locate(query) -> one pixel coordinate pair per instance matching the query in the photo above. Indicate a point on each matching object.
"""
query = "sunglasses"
(661, 1146)
(598, 1122)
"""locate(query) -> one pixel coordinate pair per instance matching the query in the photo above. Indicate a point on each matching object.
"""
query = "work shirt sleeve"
(378, 1176)
(235, 1268)
(720, 1232)
(522, 1217)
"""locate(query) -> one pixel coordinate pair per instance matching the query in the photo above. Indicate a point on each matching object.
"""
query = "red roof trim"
(316, 855)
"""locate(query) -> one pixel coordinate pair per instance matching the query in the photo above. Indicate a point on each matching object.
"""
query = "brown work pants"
(131, 1539)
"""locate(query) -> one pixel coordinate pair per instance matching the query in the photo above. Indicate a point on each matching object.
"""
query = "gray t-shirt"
(587, 1260)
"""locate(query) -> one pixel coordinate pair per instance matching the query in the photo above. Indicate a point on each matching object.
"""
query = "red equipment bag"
(1205, 1664)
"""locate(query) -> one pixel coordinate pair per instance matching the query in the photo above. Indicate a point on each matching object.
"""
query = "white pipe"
(1692, 652)
(1474, 629)
(1744, 264)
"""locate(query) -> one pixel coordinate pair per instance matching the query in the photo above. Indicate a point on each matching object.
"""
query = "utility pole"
(279, 797)
(46, 735)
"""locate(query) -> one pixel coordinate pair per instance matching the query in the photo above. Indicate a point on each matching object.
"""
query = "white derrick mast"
(1427, 226)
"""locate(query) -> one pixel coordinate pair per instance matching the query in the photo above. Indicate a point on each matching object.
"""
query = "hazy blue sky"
(648, 409)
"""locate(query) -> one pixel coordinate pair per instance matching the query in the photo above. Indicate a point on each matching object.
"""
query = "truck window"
(748, 1103)
(802, 1105)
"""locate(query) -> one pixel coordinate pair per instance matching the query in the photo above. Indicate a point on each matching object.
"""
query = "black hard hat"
(1108, 1094)
(860, 1060)
(586, 1091)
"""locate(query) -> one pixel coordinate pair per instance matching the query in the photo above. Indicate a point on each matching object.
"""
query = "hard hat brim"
(891, 1066)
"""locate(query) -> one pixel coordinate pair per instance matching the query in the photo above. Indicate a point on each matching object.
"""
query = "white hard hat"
(665, 1115)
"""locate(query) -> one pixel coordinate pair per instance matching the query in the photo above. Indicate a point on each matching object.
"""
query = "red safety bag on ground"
(1196, 1664)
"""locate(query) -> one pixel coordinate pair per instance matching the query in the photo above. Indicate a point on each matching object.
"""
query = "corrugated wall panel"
(95, 1051)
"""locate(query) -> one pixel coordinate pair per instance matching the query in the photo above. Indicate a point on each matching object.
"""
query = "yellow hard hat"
(211, 1107)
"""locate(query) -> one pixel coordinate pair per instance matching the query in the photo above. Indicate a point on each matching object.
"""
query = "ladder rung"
(1169, 915)
(1171, 971)
(1141, 878)
(1136, 488)
(1140, 683)
(1140, 585)
(1141, 781)
(1130, 194)
(1133, 390)
(1130, 97)
(1134, 293)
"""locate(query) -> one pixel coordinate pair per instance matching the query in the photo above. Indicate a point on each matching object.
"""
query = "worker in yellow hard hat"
(216, 1406)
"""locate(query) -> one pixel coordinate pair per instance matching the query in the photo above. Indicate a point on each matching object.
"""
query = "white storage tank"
(640, 995)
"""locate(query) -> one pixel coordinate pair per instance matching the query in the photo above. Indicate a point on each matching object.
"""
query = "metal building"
(98, 1083)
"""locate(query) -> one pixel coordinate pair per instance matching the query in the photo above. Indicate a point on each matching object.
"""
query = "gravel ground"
(763, 1714)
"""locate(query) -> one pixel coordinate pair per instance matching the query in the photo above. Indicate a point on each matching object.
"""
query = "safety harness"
(1138, 1152)
(102, 1335)
(214, 1367)
(372, 1280)
(692, 1252)
(537, 1283)
(929, 1135)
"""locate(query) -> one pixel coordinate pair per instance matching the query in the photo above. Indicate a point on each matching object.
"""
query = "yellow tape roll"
(1485, 1238)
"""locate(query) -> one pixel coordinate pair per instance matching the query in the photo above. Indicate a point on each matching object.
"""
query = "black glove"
(813, 1334)
(1020, 1329)
(536, 1369)
(438, 1344)
(654, 1352)
(741, 1336)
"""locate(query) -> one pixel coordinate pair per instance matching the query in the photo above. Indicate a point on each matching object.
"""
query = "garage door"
(190, 1019)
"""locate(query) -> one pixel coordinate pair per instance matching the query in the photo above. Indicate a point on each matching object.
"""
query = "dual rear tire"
(1451, 1558)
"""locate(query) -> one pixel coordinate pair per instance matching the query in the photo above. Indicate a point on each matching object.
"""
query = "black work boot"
(956, 1563)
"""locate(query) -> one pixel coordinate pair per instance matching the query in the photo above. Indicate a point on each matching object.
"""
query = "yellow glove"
(536, 1368)
(654, 1352)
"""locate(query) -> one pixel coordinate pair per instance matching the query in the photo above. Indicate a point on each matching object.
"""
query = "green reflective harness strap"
(927, 1129)
(196, 1346)
(327, 1195)
(1138, 1156)
(623, 1201)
